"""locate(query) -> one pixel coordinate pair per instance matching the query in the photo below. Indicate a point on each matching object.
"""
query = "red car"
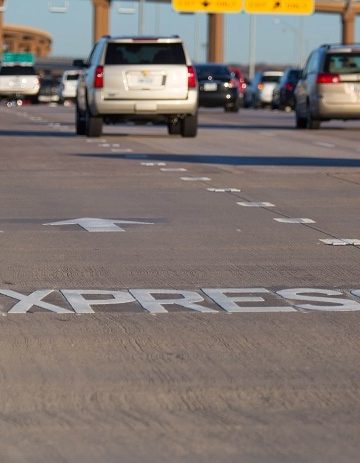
(239, 76)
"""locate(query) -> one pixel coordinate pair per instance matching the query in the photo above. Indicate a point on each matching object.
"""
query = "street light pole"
(252, 46)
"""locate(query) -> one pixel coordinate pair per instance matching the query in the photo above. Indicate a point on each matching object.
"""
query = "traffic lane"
(254, 388)
(92, 192)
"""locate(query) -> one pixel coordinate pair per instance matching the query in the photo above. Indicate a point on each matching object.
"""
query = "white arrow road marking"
(341, 242)
(289, 220)
(255, 204)
(224, 190)
(99, 225)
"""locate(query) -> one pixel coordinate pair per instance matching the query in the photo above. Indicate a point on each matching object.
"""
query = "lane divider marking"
(195, 179)
(224, 190)
(255, 204)
(341, 242)
(173, 169)
(294, 220)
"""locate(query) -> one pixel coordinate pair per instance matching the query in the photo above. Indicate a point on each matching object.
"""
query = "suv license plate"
(210, 87)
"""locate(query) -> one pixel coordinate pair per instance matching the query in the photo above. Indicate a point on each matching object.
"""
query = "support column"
(348, 26)
(101, 11)
(215, 38)
(1, 27)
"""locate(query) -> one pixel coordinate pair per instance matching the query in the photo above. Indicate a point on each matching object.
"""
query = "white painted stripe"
(294, 220)
(115, 145)
(195, 179)
(173, 169)
(341, 241)
(223, 190)
(104, 145)
(152, 164)
(255, 204)
(122, 150)
(95, 140)
(324, 144)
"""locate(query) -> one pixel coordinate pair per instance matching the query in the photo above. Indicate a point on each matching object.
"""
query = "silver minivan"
(329, 87)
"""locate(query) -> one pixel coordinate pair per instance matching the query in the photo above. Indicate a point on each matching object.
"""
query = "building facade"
(18, 39)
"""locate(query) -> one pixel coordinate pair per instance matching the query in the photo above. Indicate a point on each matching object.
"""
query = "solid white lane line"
(341, 242)
(255, 204)
(294, 220)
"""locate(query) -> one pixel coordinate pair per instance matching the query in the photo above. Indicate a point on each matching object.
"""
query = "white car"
(68, 86)
(260, 92)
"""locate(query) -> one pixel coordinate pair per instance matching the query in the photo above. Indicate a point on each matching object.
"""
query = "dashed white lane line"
(123, 150)
(324, 144)
(255, 204)
(224, 190)
(267, 134)
(341, 242)
(294, 220)
(104, 145)
(173, 169)
(95, 140)
(153, 164)
(195, 179)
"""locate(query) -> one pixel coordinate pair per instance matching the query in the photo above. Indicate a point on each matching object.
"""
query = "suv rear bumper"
(101, 106)
(338, 111)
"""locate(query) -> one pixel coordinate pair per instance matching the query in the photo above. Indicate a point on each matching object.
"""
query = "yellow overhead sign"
(280, 6)
(208, 6)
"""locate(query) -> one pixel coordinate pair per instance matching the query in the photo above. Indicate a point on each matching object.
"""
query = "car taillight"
(99, 77)
(289, 86)
(260, 86)
(327, 78)
(192, 81)
(243, 85)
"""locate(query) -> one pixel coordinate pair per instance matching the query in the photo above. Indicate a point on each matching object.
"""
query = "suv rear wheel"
(189, 126)
(311, 123)
(93, 125)
(80, 121)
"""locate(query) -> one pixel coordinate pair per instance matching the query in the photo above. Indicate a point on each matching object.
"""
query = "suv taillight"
(99, 77)
(192, 81)
(327, 78)
(289, 86)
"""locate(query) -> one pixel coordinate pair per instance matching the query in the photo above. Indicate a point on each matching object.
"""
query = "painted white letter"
(152, 305)
(229, 304)
(76, 299)
(337, 304)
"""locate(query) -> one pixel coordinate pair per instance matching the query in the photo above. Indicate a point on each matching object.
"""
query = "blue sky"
(277, 37)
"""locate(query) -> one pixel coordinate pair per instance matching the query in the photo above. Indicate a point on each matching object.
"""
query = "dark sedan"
(217, 87)
(283, 94)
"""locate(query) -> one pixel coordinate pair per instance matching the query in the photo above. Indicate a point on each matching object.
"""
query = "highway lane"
(257, 386)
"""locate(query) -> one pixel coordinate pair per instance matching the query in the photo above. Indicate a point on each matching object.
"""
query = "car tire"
(311, 123)
(300, 121)
(174, 127)
(80, 122)
(231, 108)
(93, 125)
(189, 126)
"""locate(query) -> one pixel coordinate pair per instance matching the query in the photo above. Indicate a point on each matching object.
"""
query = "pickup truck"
(19, 82)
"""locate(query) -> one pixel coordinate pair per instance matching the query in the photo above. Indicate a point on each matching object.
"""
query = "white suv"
(137, 78)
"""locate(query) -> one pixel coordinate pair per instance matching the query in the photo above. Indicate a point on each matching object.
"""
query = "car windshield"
(17, 71)
(145, 53)
(342, 63)
(272, 78)
(216, 72)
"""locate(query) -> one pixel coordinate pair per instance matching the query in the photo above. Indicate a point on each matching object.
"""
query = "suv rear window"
(342, 63)
(17, 71)
(270, 78)
(72, 77)
(145, 53)
(217, 72)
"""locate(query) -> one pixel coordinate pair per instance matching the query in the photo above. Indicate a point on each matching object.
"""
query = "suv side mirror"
(79, 63)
